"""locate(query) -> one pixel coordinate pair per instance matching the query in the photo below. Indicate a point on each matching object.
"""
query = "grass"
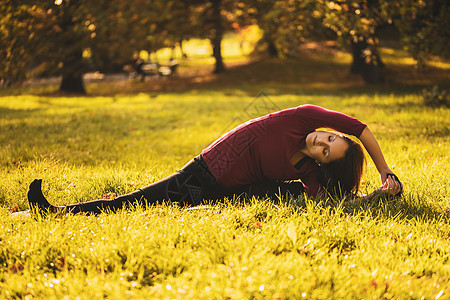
(115, 140)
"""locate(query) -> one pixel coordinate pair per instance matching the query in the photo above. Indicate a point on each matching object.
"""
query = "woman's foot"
(36, 199)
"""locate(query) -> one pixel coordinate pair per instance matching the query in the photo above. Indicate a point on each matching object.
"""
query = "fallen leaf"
(291, 232)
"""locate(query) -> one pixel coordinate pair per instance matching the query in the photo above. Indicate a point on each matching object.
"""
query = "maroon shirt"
(261, 148)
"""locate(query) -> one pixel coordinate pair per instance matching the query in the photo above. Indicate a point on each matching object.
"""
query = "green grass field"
(126, 135)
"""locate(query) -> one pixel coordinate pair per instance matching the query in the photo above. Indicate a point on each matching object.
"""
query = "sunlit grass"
(127, 134)
(401, 57)
(85, 147)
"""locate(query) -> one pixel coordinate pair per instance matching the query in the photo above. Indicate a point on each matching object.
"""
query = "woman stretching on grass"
(259, 158)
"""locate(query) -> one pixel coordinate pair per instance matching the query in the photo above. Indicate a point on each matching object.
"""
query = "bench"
(169, 69)
(150, 69)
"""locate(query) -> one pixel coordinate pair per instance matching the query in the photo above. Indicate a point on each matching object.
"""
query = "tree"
(16, 38)
(356, 22)
(285, 23)
(209, 19)
(51, 37)
(53, 41)
(178, 24)
(73, 38)
(424, 26)
(217, 35)
(264, 14)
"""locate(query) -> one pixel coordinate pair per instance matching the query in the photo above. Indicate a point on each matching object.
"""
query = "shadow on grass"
(407, 207)
(17, 112)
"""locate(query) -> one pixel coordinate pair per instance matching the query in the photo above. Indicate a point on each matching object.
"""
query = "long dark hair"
(343, 176)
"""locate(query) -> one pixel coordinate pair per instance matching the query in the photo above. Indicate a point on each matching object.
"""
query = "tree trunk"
(72, 81)
(73, 68)
(183, 54)
(271, 48)
(216, 40)
(217, 53)
(359, 61)
(370, 67)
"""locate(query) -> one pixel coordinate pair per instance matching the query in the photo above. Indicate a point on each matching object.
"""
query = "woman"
(260, 158)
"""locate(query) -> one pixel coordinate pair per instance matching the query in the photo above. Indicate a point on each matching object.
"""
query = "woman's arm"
(388, 179)
(370, 143)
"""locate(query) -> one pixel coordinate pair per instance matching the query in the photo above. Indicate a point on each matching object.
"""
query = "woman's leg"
(185, 187)
(180, 187)
(262, 189)
(272, 189)
(189, 186)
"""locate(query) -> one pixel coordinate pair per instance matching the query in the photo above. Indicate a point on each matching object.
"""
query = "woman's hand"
(395, 178)
(384, 174)
(391, 186)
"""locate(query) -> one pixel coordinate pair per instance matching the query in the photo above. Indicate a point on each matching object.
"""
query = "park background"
(70, 114)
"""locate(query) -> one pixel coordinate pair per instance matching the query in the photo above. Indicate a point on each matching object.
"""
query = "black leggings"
(190, 186)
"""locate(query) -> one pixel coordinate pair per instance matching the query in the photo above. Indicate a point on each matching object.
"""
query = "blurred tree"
(217, 31)
(301, 21)
(424, 26)
(211, 19)
(60, 36)
(285, 23)
(21, 27)
(356, 22)
(69, 37)
(117, 29)
(52, 42)
(14, 25)
(51, 37)
(266, 15)
(178, 24)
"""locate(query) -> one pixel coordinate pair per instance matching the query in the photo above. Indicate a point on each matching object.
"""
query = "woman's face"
(325, 147)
